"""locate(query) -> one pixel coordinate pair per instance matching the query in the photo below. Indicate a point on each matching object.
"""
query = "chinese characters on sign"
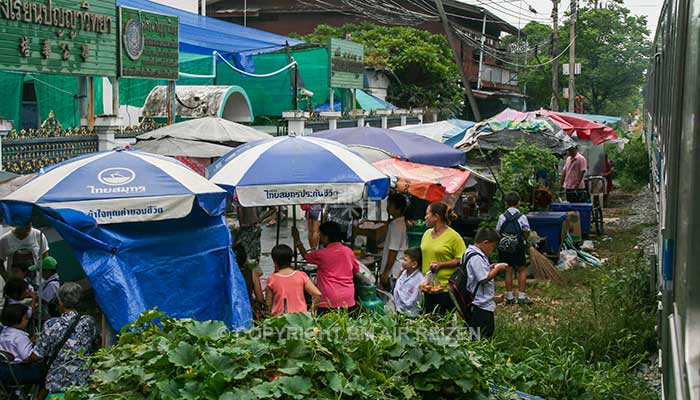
(59, 36)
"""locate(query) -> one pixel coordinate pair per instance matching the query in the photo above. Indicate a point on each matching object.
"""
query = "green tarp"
(57, 93)
(269, 96)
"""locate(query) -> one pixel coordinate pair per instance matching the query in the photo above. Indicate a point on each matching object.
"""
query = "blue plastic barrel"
(584, 210)
(548, 224)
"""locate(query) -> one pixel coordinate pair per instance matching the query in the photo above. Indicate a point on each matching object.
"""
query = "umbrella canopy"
(297, 170)
(122, 186)
(208, 129)
(502, 133)
(173, 147)
(424, 181)
(407, 146)
(371, 154)
(439, 131)
(584, 128)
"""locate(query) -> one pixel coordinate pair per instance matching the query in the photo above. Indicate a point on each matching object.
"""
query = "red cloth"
(196, 164)
(585, 129)
(336, 267)
(426, 182)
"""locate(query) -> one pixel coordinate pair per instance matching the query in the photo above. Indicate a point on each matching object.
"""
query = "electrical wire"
(478, 45)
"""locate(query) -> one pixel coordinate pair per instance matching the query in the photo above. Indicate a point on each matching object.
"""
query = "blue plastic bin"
(548, 224)
(584, 210)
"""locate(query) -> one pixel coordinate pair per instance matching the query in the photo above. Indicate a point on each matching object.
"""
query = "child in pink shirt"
(286, 287)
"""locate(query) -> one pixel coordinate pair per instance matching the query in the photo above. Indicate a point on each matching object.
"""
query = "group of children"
(401, 269)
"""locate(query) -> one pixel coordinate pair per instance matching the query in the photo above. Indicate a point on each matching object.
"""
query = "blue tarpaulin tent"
(147, 230)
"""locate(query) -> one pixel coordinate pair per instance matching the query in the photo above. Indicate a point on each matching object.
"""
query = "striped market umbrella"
(292, 170)
(121, 186)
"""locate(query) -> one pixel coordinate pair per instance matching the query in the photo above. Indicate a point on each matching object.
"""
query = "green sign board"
(76, 37)
(148, 45)
(347, 63)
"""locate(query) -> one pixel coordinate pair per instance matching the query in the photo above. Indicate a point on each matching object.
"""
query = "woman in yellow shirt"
(442, 249)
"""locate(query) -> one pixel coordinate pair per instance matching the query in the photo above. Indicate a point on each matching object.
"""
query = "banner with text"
(148, 45)
(58, 36)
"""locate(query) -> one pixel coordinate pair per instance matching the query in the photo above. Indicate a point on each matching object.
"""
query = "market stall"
(147, 231)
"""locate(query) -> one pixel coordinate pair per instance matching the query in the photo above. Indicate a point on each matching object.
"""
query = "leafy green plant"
(420, 61)
(631, 165)
(525, 169)
(295, 356)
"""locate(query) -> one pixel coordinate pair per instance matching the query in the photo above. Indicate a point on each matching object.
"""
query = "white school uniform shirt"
(478, 270)
(16, 342)
(396, 240)
(407, 293)
(522, 221)
(35, 243)
(48, 290)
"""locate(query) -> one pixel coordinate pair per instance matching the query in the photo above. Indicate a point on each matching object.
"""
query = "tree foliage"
(612, 46)
(421, 61)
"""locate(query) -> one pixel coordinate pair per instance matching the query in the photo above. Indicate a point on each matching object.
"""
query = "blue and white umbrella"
(297, 170)
(122, 186)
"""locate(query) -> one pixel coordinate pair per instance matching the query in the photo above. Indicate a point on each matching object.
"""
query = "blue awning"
(200, 34)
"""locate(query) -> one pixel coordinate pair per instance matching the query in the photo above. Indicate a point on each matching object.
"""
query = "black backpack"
(457, 287)
(512, 241)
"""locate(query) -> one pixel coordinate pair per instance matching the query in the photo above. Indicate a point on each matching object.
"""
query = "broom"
(542, 266)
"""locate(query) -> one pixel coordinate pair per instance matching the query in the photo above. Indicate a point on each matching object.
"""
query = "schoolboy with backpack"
(514, 228)
(471, 286)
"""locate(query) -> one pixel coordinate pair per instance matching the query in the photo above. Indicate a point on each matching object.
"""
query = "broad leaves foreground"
(292, 357)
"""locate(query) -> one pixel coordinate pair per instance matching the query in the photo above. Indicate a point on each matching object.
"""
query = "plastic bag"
(431, 283)
(366, 275)
(568, 259)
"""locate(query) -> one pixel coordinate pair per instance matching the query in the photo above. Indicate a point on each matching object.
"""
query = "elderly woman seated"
(64, 343)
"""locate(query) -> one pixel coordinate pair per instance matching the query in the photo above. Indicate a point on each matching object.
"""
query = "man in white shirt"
(396, 241)
(22, 245)
(480, 275)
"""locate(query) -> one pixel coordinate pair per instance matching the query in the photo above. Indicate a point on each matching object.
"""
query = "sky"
(511, 9)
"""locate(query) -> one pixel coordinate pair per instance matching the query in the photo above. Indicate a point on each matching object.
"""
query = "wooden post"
(458, 61)
(91, 102)
(171, 103)
(115, 95)
(554, 104)
(354, 101)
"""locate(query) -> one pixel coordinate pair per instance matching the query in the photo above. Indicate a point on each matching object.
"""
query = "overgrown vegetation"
(295, 356)
(526, 169)
(631, 165)
(421, 61)
(583, 339)
(586, 338)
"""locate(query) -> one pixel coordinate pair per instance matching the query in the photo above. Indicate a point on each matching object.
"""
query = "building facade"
(302, 16)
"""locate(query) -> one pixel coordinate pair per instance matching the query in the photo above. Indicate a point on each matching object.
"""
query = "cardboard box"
(574, 226)
(375, 234)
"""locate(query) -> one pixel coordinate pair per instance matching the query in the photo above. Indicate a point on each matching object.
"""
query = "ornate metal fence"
(27, 151)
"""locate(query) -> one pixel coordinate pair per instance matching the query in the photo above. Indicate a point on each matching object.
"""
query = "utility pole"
(554, 105)
(572, 57)
(458, 61)
(481, 53)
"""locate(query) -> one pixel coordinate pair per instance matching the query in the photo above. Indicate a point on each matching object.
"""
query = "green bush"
(631, 165)
(295, 356)
(521, 168)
